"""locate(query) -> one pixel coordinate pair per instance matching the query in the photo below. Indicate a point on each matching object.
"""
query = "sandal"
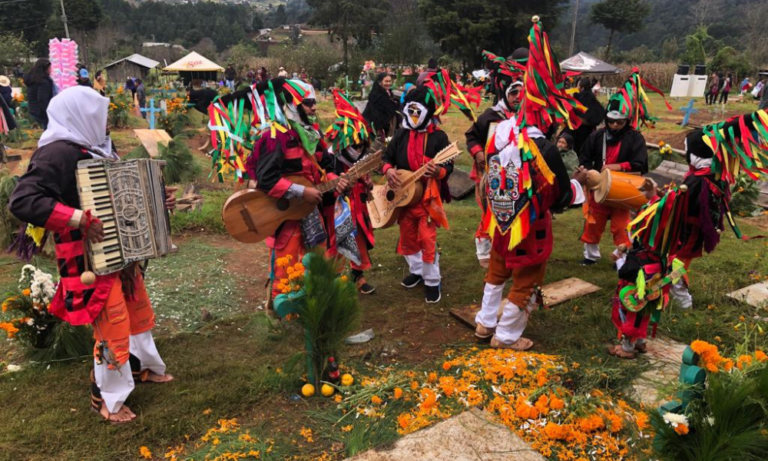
(618, 351)
(148, 376)
(122, 416)
(484, 333)
(641, 348)
(522, 344)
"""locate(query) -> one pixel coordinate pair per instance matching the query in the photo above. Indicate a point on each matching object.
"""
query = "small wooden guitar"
(251, 215)
(628, 294)
(387, 203)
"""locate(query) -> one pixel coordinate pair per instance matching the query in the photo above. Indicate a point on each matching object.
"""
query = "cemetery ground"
(231, 360)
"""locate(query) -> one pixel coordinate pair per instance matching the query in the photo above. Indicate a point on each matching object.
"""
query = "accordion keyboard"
(95, 195)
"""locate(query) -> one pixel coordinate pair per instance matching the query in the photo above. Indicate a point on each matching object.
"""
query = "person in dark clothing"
(727, 83)
(431, 67)
(201, 98)
(130, 85)
(381, 111)
(40, 91)
(230, 75)
(5, 90)
(18, 72)
(141, 96)
(617, 147)
(590, 119)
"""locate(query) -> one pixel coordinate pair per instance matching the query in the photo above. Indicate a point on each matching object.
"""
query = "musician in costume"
(526, 180)
(684, 223)
(350, 138)
(619, 146)
(117, 305)
(506, 81)
(418, 140)
(292, 145)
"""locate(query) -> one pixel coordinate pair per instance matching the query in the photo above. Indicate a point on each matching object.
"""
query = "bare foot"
(160, 379)
(120, 417)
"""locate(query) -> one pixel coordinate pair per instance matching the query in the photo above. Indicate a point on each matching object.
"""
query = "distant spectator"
(757, 91)
(714, 86)
(725, 89)
(18, 72)
(283, 73)
(130, 85)
(141, 95)
(40, 91)
(83, 77)
(303, 75)
(570, 158)
(263, 74)
(230, 74)
(6, 92)
(381, 110)
(745, 85)
(764, 97)
(431, 67)
(99, 84)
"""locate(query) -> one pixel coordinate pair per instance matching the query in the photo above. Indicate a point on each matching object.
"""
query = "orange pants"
(121, 318)
(597, 217)
(417, 233)
(524, 279)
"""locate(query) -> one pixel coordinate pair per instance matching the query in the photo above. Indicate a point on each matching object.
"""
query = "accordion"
(128, 197)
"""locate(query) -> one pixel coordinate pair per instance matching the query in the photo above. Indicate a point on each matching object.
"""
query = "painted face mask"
(504, 192)
(415, 113)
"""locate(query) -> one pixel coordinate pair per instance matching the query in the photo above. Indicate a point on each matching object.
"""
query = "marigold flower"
(404, 421)
(26, 292)
(556, 403)
(743, 361)
(642, 421)
(432, 377)
(376, 400)
(145, 453)
(681, 429)
(761, 356)
(346, 428)
(446, 366)
(429, 399)
(414, 385)
(398, 393)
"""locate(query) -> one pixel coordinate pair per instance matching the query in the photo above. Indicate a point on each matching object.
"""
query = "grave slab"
(665, 358)
(150, 138)
(554, 293)
(469, 436)
(755, 295)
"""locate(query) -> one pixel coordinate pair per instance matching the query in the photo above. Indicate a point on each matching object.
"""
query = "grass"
(243, 365)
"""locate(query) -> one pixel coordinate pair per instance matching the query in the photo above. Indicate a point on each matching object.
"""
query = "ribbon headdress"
(349, 128)
(632, 101)
(447, 92)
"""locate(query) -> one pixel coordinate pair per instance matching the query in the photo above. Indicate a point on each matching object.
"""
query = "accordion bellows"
(128, 197)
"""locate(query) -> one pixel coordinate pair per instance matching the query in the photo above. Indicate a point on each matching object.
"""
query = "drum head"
(604, 187)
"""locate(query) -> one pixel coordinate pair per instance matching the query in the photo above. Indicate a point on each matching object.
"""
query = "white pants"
(681, 294)
(514, 320)
(117, 385)
(429, 272)
(483, 247)
(592, 251)
(488, 316)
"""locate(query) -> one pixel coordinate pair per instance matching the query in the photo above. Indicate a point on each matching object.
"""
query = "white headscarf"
(79, 115)
(506, 143)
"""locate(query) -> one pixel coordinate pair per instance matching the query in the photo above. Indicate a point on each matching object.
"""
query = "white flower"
(12, 368)
(711, 420)
(31, 321)
(673, 419)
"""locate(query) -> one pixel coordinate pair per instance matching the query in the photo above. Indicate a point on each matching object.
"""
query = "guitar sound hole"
(390, 195)
(282, 204)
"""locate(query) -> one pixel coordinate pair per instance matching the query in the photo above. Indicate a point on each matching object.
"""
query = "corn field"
(658, 74)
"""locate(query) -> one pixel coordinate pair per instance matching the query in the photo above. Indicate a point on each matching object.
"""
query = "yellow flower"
(346, 428)
(145, 453)
(307, 434)
(207, 411)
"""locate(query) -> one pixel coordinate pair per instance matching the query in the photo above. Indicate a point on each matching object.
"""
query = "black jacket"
(477, 135)
(633, 150)
(7, 93)
(381, 108)
(554, 160)
(202, 99)
(39, 95)
(397, 149)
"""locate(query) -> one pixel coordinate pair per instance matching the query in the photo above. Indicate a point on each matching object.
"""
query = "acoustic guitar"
(251, 215)
(633, 303)
(387, 204)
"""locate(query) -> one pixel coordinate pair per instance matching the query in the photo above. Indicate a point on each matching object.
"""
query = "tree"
(83, 15)
(404, 39)
(349, 19)
(622, 16)
(669, 50)
(13, 49)
(730, 60)
(464, 28)
(27, 18)
(280, 18)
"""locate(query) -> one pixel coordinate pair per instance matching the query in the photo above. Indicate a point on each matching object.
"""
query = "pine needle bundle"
(8, 223)
(329, 312)
(180, 164)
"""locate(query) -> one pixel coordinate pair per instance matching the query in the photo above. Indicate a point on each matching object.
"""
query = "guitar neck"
(357, 171)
